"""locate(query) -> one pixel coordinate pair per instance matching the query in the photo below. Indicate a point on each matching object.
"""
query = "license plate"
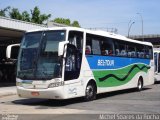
(35, 93)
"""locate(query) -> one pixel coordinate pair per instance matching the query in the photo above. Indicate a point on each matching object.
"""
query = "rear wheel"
(140, 84)
(90, 92)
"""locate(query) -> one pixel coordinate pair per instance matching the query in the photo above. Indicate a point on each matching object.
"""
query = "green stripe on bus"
(110, 78)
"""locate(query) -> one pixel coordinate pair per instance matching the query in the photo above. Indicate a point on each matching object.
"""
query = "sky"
(101, 14)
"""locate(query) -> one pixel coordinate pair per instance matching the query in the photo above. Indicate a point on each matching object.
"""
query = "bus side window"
(107, 46)
(131, 50)
(148, 52)
(123, 53)
(88, 50)
(104, 52)
(117, 52)
(140, 49)
(96, 50)
(120, 48)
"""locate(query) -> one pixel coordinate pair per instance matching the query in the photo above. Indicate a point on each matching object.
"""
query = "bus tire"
(140, 84)
(90, 92)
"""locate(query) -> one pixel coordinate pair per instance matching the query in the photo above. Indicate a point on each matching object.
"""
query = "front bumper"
(49, 93)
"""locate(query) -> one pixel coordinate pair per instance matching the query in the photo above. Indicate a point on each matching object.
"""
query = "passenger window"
(88, 49)
(131, 50)
(107, 47)
(96, 47)
(120, 48)
(149, 52)
(140, 49)
(93, 45)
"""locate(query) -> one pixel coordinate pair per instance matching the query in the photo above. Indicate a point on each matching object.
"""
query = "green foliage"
(15, 14)
(3, 11)
(75, 24)
(26, 16)
(36, 16)
(66, 22)
(62, 21)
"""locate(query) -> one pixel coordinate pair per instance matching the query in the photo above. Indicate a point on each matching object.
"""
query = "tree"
(75, 24)
(62, 21)
(3, 11)
(66, 22)
(26, 16)
(37, 17)
(15, 14)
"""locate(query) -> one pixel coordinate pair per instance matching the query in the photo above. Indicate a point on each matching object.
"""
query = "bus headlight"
(57, 84)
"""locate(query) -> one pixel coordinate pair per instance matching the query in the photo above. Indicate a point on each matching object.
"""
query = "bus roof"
(96, 32)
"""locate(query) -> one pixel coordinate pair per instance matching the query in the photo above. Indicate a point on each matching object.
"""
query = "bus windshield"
(38, 57)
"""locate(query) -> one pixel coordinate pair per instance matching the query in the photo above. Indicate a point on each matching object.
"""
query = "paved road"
(120, 102)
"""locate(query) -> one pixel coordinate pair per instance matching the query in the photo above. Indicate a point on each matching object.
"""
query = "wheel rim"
(89, 91)
(139, 85)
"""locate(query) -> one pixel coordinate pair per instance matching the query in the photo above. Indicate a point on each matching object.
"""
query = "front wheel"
(90, 92)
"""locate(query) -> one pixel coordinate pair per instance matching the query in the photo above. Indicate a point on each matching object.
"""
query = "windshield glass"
(38, 59)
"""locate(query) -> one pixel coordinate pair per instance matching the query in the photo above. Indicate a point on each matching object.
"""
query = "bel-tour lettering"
(105, 63)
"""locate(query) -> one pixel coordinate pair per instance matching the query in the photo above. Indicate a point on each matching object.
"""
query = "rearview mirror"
(12, 51)
(61, 47)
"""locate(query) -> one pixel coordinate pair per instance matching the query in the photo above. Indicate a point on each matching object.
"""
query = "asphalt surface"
(125, 104)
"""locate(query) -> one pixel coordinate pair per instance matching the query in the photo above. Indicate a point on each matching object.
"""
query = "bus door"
(73, 62)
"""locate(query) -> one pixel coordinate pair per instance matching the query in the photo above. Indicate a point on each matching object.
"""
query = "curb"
(8, 94)
(7, 91)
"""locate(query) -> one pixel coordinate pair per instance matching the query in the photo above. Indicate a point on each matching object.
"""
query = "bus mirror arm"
(61, 48)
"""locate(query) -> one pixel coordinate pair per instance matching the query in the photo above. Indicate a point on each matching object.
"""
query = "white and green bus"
(68, 62)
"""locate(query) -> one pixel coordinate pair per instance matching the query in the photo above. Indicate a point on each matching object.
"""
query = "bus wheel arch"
(140, 83)
(90, 90)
